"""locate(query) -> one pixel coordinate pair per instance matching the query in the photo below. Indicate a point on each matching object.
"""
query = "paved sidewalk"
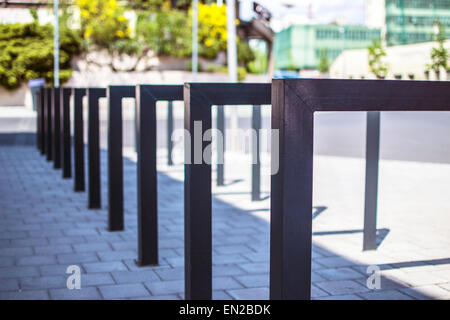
(45, 227)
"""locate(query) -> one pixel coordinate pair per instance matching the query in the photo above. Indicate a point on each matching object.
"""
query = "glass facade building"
(301, 46)
(413, 21)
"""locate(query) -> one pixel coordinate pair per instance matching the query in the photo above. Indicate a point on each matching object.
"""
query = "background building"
(354, 63)
(408, 21)
(300, 46)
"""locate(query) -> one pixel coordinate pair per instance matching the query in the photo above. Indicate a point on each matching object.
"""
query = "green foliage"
(259, 64)
(103, 23)
(26, 52)
(324, 62)
(439, 55)
(245, 54)
(376, 64)
(165, 32)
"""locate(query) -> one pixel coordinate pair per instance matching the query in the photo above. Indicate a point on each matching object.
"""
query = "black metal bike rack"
(115, 157)
(294, 102)
(66, 154)
(146, 98)
(56, 128)
(198, 99)
(78, 139)
(94, 193)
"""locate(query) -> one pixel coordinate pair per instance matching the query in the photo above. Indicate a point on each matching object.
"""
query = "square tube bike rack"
(94, 174)
(78, 139)
(66, 94)
(198, 99)
(115, 157)
(56, 128)
(294, 102)
(48, 124)
(146, 98)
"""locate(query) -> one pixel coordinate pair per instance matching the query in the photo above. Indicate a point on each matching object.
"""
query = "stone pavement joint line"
(45, 227)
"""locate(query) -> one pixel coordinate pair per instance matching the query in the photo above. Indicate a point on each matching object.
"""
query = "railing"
(294, 102)
(198, 100)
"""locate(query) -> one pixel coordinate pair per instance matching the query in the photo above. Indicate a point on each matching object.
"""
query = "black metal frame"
(41, 107)
(56, 128)
(78, 139)
(146, 98)
(198, 99)
(66, 94)
(115, 157)
(294, 102)
(48, 124)
(94, 174)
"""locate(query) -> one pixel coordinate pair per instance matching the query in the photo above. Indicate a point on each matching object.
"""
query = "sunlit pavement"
(45, 227)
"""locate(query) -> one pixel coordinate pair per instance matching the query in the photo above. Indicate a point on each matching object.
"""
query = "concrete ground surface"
(45, 227)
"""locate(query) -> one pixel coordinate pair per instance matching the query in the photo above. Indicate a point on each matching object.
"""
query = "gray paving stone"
(105, 266)
(135, 276)
(166, 287)
(91, 247)
(250, 294)
(45, 282)
(96, 279)
(24, 295)
(53, 249)
(36, 260)
(171, 273)
(117, 255)
(341, 287)
(339, 274)
(122, 291)
(9, 285)
(16, 272)
(254, 281)
(385, 295)
(340, 297)
(70, 258)
(225, 283)
(75, 294)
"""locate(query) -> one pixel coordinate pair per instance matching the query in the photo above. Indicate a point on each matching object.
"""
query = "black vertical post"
(220, 153)
(94, 195)
(78, 132)
(256, 164)
(66, 94)
(56, 128)
(37, 102)
(49, 144)
(41, 106)
(115, 160)
(291, 196)
(115, 157)
(169, 132)
(197, 197)
(147, 178)
(371, 193)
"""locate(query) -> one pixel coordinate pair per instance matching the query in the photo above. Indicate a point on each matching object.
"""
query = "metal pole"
(371, 193)
(194, 39)
(220, 153)
(169, 133)
(256, 163)
(231, 41)
(56, 46)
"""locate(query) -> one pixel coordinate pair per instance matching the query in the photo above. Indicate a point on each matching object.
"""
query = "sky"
(323, 11)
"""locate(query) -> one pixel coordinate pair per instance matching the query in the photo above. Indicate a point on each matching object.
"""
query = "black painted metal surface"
(146, 99)
(169, 133)
(94, 194)
(42, 118)
(48, 125)
(78, 132)
(115, 157)
(294, 102)
(66, 148)
(56, 128)
(198, 99)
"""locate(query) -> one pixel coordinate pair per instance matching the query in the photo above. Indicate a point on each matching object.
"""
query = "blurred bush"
(26, 52)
